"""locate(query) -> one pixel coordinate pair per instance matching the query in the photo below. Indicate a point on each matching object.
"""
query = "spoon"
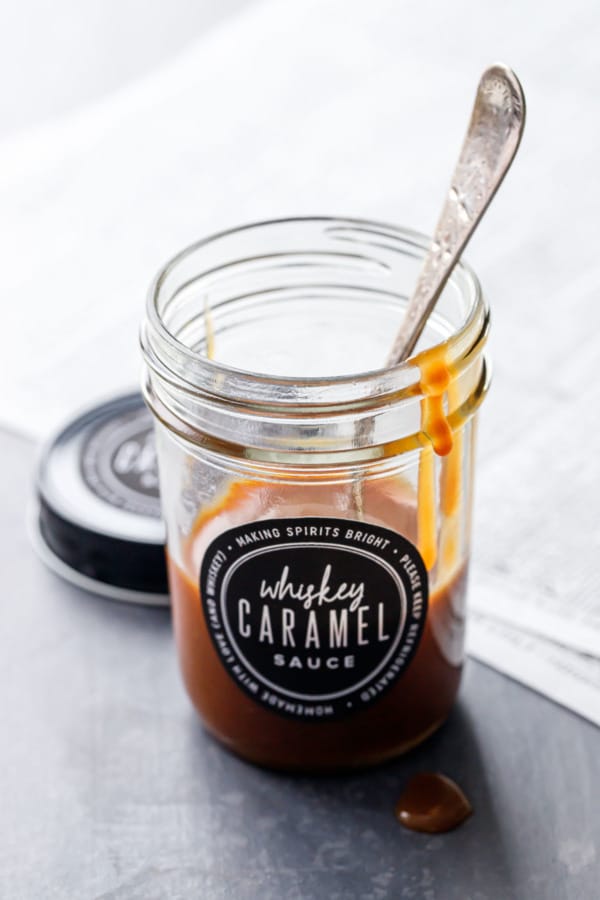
(489, 147)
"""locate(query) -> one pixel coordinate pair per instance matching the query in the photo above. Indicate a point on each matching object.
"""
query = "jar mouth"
(364, 242)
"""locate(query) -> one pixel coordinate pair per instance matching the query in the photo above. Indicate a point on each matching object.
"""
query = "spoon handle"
(489, 147)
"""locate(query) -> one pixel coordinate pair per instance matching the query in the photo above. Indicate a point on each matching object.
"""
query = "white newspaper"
(568, 678)
(535, 588)
(537, 534)
(324, 107)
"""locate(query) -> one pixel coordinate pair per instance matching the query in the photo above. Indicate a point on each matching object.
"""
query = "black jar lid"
(98, 520)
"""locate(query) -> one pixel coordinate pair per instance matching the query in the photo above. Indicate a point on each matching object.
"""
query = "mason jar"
(317, 504)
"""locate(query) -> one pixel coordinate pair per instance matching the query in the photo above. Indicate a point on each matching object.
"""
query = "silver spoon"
(489, 148)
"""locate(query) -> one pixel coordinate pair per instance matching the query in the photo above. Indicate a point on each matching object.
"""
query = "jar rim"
(255, 387)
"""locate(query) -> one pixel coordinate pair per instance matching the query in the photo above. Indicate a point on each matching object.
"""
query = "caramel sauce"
(432, 803)
(412, 708)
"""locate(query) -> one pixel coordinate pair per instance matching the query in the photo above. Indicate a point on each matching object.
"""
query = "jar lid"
(98, 521)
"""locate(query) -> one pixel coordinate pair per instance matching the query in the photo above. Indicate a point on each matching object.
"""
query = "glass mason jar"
(318, 506)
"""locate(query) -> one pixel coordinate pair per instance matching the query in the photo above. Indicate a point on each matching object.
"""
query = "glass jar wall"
(317, 506)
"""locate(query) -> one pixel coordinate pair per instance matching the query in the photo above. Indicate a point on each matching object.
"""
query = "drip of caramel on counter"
(432, 803)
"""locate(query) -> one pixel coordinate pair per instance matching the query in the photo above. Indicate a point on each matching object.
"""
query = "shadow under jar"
(318, 507)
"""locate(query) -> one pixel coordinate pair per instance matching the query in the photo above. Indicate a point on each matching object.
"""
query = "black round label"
(315, 618)
(118, 463)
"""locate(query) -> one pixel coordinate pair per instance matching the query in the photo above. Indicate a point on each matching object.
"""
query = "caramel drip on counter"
(432, 803)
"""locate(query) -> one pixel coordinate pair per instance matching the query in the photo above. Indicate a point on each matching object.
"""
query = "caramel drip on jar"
(426, 519)
(435, 379)
(435, 383)
(209, 330)
(451, 489)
